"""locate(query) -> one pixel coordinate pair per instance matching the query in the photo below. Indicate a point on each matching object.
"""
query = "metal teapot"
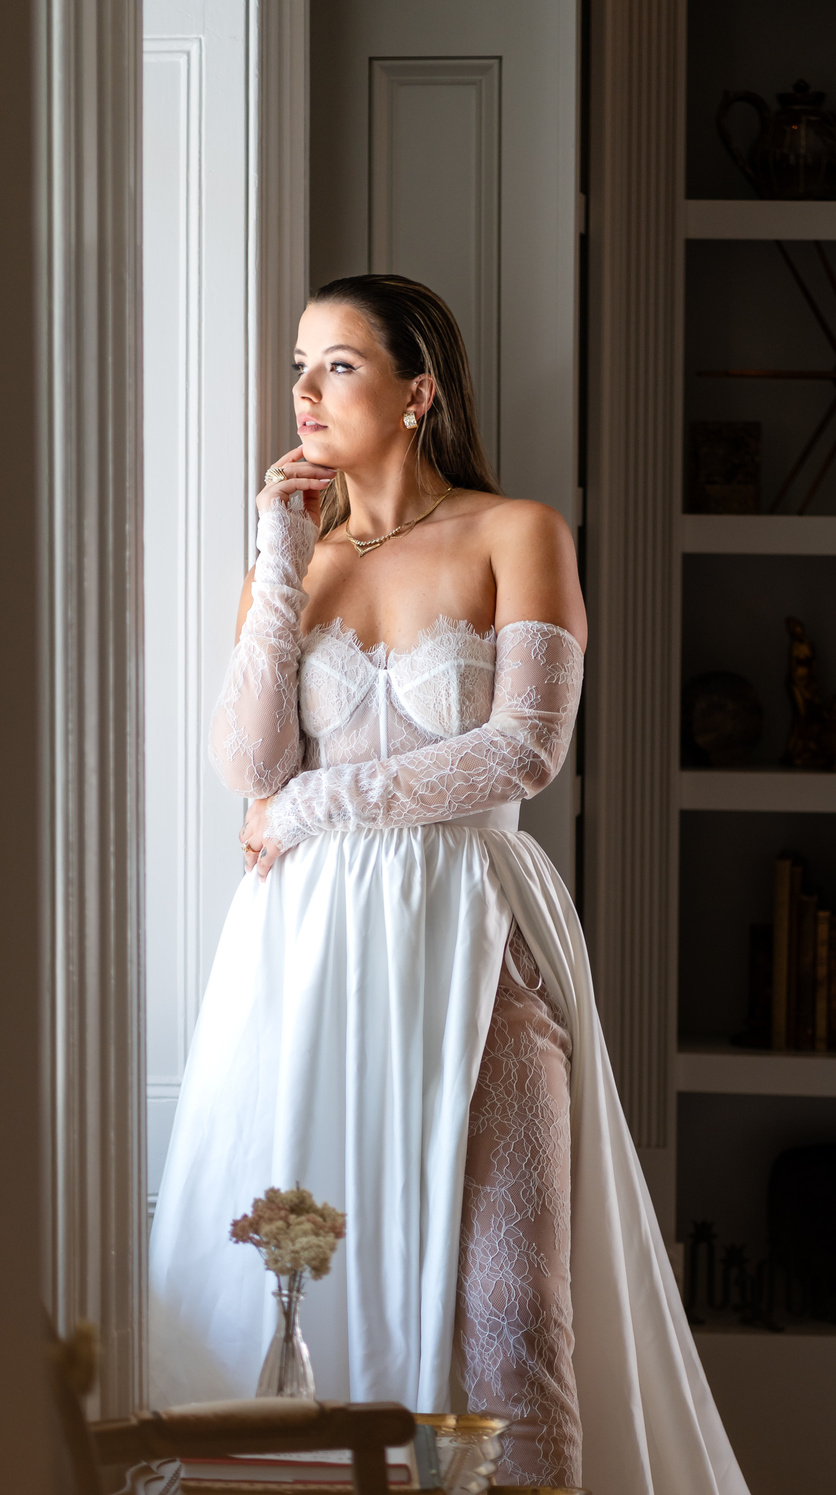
(794, 156)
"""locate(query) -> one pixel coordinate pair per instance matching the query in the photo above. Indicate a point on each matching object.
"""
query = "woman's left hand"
(258, 853)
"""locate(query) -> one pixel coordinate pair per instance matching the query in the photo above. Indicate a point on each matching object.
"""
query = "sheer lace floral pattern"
(255, 742)
(495, 718)
(514, 1313)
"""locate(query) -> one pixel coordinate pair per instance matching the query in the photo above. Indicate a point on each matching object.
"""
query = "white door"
(444, 147)
(197, 513)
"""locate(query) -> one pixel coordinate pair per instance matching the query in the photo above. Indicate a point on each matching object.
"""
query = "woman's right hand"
(302, 477)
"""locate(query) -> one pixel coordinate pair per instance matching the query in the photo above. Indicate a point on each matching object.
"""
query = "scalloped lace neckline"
(381, 654)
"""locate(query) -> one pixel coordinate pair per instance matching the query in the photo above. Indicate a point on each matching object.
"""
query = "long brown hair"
(421, 336)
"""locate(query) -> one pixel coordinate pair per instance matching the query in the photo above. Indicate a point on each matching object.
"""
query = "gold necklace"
(364, 546)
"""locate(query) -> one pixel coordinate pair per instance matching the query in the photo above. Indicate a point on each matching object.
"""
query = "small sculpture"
(812, 737)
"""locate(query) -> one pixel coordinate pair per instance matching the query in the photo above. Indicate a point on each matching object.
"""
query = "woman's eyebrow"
(335, 348)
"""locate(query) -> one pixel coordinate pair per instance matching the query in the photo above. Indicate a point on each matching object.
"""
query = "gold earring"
(410, 420)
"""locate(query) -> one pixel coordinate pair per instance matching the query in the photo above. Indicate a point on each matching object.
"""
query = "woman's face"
(349, 401)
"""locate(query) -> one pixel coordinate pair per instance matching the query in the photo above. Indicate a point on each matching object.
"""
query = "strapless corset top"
(356, 703)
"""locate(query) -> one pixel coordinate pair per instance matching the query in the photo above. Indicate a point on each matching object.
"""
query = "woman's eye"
(298, 368)
(341, 368)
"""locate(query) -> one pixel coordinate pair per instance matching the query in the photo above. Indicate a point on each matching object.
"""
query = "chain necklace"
(364, 546)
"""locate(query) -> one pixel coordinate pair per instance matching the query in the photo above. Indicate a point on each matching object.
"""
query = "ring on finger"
(248, 848)
(275, 474)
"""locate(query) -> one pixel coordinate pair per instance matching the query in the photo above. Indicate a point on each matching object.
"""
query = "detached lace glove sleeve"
(255, 743)
(518, 751)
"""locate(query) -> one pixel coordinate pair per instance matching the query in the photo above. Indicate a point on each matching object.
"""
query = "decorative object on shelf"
(294, 1236)
(722, 720)
(725, 467)
(812, 737)
(814, 375)
(796, 1280)
(701, 1271)
(794, 154)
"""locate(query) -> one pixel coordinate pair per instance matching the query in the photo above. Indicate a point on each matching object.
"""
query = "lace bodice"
(357, 703)
(455, 725)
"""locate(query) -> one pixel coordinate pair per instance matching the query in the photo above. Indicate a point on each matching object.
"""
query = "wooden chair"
(213, 1429)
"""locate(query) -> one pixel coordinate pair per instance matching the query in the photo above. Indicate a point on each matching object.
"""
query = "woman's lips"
(305, 427)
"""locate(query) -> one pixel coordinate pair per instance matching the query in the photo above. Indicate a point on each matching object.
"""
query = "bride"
(400, 1014)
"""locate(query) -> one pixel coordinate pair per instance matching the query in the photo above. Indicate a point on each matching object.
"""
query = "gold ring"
(275, 475)
(251, 849)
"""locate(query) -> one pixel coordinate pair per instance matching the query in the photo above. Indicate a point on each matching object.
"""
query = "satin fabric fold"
(338, 1045)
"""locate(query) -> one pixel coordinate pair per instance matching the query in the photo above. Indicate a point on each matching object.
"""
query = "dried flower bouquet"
(293, 1235)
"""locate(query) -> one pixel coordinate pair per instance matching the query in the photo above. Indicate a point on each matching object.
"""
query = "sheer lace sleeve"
(255, 743)
(516, 753)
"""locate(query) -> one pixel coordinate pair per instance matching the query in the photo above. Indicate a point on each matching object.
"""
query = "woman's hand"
(257, 852)
(302, 477)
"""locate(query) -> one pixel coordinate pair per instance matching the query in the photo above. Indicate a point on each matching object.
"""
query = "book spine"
(823, 924)
(780, 951)
(805, 1000)
(796, 875)
(831, 987)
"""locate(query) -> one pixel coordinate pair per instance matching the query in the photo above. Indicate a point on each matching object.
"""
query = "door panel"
(444, 147)
(195, 205)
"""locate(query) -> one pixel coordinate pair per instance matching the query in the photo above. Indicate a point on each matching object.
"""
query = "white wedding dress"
(392, 1020)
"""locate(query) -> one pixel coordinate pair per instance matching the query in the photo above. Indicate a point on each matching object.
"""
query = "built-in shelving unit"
(739, 576)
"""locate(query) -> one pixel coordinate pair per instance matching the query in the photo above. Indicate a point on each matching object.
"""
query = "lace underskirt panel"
(514, 1337)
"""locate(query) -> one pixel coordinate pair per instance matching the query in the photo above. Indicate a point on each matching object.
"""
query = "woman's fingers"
(266, 857)
(302, 477)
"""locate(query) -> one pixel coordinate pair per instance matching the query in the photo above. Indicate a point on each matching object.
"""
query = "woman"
(402, 984)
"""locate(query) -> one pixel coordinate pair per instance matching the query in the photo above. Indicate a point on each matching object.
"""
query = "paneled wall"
(418, 106)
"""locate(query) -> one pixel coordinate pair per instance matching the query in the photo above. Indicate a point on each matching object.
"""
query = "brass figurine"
(812, 738)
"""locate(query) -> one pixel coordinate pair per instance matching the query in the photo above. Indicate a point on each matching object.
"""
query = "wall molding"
(635, 294)
(94, 1121)
(279, 215)
(390, 79)
(186, 54)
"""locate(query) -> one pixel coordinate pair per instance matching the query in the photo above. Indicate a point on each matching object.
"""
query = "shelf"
(720, 218)
(729, 1071)
(777, 790)
(757, 534)
(799, 1329)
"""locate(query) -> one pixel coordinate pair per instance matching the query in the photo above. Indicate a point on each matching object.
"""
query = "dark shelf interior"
(745, 311)
(727, 1144)
(759, 45)
(726, 883)
(733, 618)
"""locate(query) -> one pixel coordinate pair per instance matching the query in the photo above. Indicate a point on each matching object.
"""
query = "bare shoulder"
(525, 521)
(535, 566)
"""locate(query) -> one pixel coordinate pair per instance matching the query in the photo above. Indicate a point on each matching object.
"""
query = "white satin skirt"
(338, 1045)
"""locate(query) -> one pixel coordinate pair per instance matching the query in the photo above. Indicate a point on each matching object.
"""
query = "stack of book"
(245, 1474)
(792, 971)
(803, 965)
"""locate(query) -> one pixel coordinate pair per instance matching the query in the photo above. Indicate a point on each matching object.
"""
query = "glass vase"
(287, 1367)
